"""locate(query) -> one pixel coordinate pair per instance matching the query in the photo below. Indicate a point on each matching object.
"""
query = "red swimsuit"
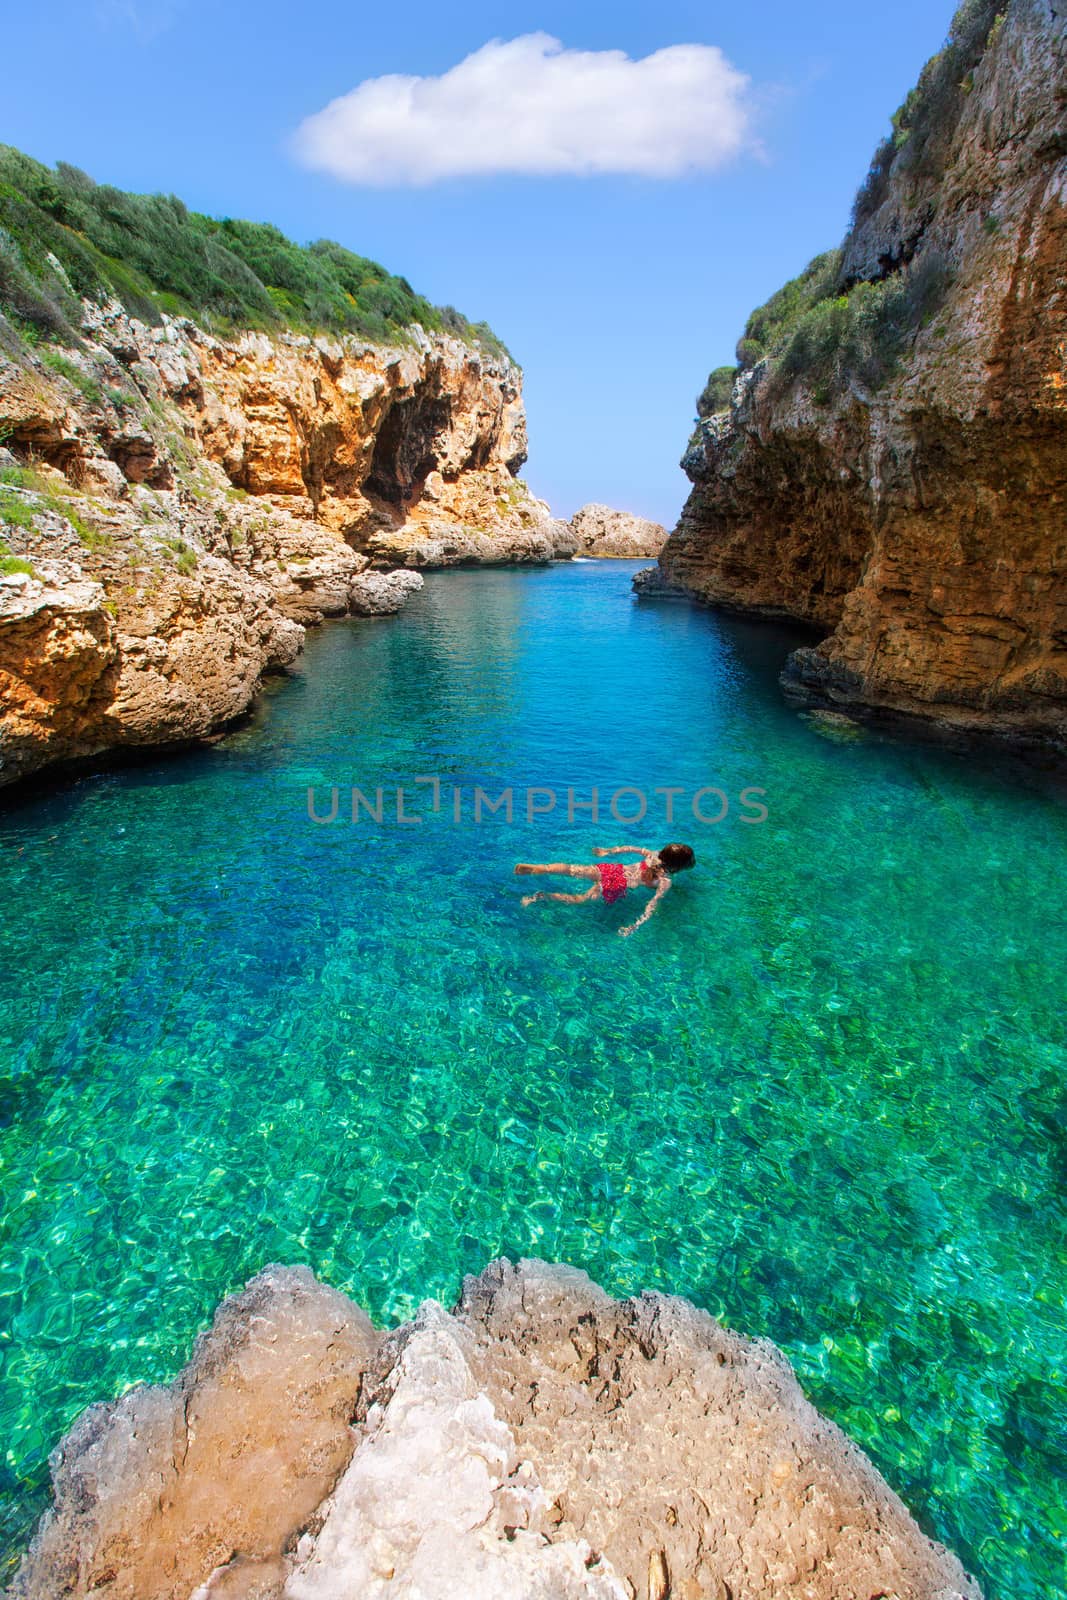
(613, 883)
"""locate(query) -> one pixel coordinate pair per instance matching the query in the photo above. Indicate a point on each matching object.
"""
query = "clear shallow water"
(822, 1093)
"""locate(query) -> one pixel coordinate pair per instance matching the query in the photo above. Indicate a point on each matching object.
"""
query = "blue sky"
(616, 293)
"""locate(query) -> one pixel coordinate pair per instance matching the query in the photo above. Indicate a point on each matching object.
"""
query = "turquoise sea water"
(821, 1093)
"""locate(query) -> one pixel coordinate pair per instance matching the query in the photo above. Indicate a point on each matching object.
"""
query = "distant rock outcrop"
(600, 531)
(541, 1442)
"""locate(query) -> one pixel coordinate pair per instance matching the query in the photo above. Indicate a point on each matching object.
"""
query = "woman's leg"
(565, 869)
(569, 899)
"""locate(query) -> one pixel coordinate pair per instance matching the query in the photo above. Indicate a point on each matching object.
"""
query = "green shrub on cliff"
(85, 384)
(863, 334)
(715, 395)
(48, 494)
(15, 512)
(11, 565)
(815, 332)
(62, 237)
(770, 323)
(824, 331)
(923, 126)
(185, 558)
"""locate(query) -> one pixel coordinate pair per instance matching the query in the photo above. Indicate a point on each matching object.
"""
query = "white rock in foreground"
(436, 1500)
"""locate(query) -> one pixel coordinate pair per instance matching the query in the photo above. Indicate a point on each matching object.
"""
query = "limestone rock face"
(404, 443)
(541, 1442)
(923, 525)
(189, 505)
(600, 531)
(98, 653)
(58, 661)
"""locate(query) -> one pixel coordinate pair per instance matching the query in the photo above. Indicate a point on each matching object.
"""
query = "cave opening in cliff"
(404, 453)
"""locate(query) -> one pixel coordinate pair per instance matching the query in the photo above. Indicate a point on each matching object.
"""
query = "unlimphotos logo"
(408, 806)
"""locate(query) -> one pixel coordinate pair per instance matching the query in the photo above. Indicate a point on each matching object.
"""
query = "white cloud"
(527, 105)
(146, 18)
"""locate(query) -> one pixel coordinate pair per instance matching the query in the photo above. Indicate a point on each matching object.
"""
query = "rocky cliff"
(175, 509)
(892, 464)
(540, 1442)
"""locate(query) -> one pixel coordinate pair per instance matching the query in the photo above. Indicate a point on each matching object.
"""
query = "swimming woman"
(612, 879)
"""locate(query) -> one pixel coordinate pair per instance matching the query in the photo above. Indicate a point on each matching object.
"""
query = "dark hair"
(676, 857)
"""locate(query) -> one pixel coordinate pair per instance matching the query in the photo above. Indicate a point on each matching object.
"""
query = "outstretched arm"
(661, 889)
(621, 849)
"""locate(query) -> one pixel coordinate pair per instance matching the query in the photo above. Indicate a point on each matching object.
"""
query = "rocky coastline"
(540, 1440)
(908, 501)
(178, 508)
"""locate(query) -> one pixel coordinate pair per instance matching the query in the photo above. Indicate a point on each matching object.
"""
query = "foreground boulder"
(156, 1490)
(541, 1442)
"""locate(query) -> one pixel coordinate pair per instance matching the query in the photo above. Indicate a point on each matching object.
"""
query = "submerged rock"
(835, 726)
(541, 1442)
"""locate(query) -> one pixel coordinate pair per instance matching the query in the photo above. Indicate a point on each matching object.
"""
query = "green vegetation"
(864, 333)
(715, 395)
(10, 565)
(184, 555)
(813, 330)
(923, 126)
(85, 384)
(513, 497)
(17, 511)
(92, 537)
(770, 328)
(62, 236)
(769, 325)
